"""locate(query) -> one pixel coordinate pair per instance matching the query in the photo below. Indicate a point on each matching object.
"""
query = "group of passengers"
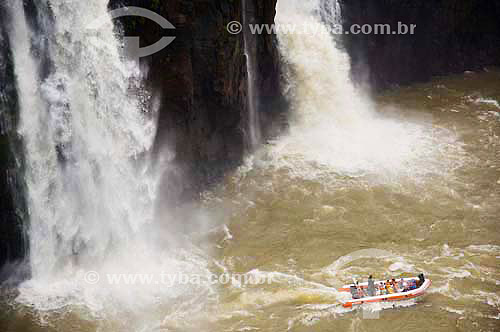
(389, 287)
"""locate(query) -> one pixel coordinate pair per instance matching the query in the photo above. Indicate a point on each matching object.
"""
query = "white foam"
(489, 248)
(456, 273)
(454, 311)
(317, 313)
(228, 235)
(488, 101)
(326, 311)
(492, 299)
(401, 266)
(336, 127)
(88, 129)
(290, 279)
(70, 288)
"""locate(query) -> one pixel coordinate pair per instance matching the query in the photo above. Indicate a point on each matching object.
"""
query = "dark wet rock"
(452, 36)
(13, 242)
(202, 80)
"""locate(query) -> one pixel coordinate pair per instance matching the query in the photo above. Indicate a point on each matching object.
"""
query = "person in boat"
(361, 293)
(388, 287)
(401, 285)
(406, 286)
(354, 292)
(394, 285)
(381, 289)
(371, 286)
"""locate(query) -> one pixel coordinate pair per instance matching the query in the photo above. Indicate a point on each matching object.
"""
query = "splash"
(337, 128)
(88, 126)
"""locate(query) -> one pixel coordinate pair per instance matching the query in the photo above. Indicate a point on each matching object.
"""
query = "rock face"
(13, 243)
(202, 80)
(452, 36)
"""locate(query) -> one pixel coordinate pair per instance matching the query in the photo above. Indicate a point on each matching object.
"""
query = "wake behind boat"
(385, 291)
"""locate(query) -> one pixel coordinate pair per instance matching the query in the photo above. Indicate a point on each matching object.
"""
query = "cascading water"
(320, 67)
(87, 131)
(252, 96)
(336, 125)
(82, 142)
(294, 219)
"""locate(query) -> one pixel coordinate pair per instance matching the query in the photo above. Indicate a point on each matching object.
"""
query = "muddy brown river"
(427, 193)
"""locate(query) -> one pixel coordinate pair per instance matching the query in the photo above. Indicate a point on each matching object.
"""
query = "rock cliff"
(202, 80)
(13, 243)
(452, 36)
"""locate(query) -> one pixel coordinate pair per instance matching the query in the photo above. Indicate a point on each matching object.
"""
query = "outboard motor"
(422, 279)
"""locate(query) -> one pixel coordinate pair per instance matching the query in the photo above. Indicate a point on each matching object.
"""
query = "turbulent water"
(403, 183)
(336, 124)
(305, 228)
(87, 125)
(83, 131)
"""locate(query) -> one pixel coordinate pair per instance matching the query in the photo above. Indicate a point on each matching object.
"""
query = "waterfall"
(252, 96)
(84, 133)
(87, 128)
(320, 66)
(335, 124)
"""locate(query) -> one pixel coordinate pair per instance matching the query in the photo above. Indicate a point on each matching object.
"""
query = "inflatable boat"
(422, 285)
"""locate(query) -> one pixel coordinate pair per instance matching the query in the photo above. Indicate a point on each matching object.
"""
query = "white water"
(83, 134)
(336, 125)
(91, 187)
(253, 115)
